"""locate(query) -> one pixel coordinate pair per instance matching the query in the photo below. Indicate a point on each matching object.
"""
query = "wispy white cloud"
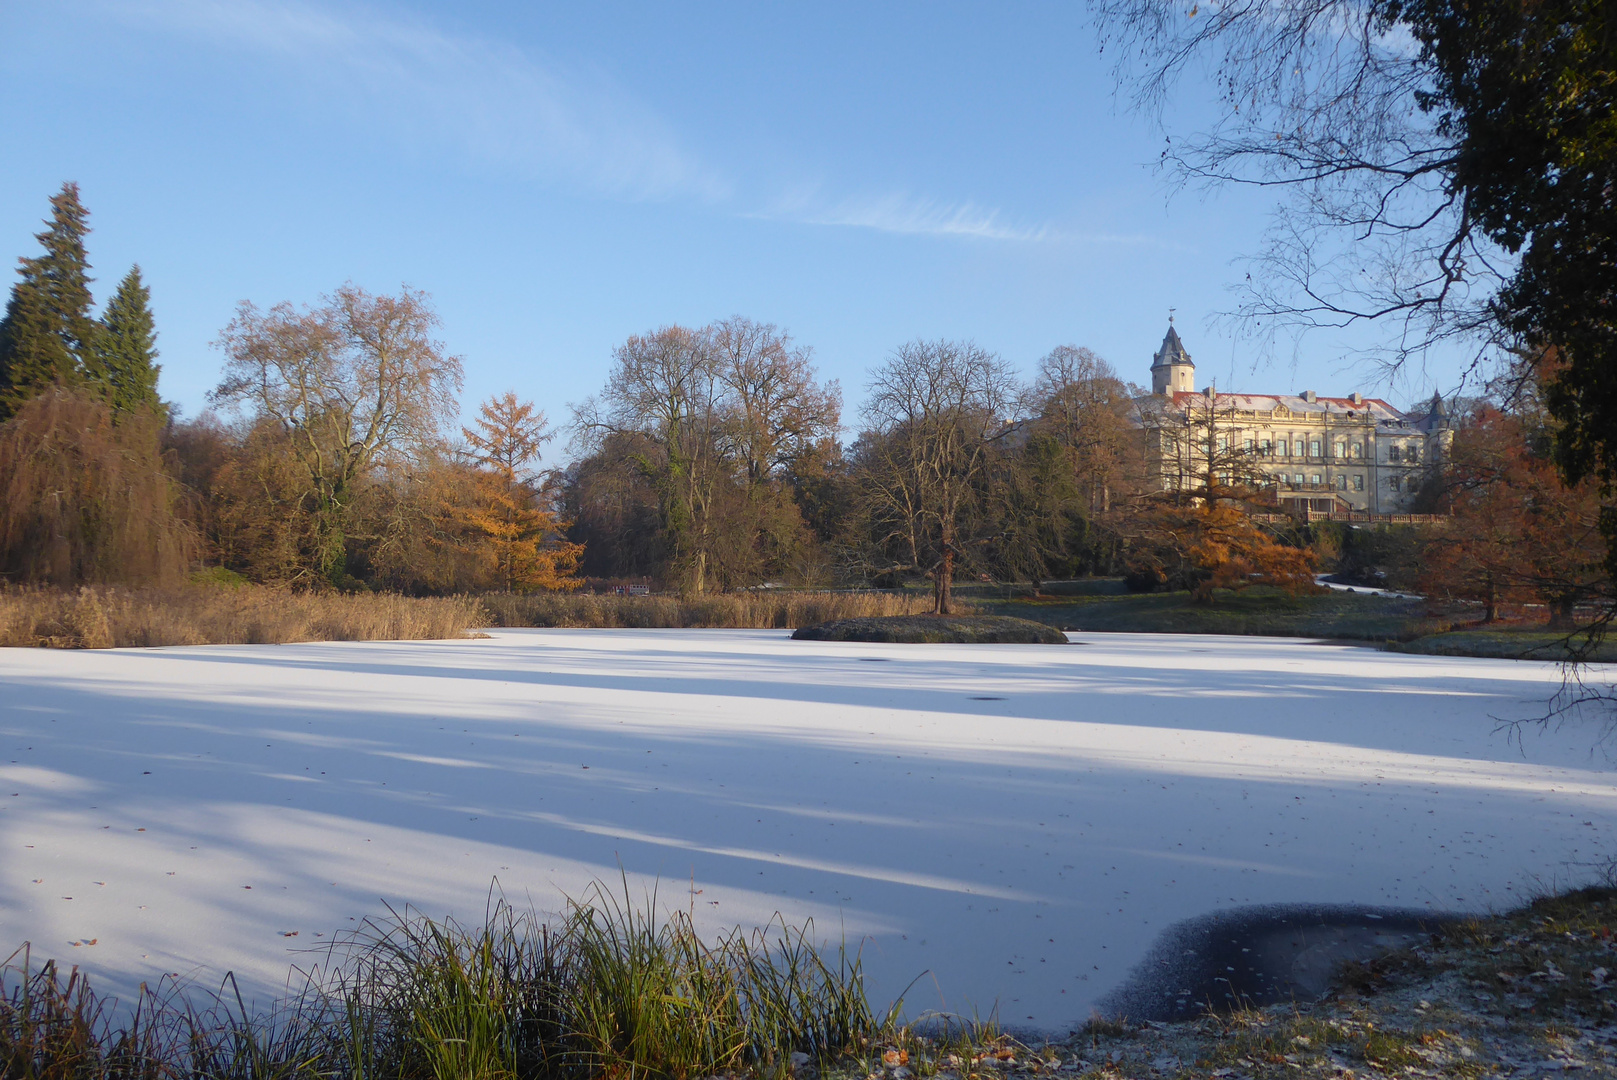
(449, 92)
(909, 215)
(444, 93)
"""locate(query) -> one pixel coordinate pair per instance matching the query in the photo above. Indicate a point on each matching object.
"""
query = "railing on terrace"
(1355, 515)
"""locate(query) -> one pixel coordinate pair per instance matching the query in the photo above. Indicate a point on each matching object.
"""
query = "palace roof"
(1281, 405)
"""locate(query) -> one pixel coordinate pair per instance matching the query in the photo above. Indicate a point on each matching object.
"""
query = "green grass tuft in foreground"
(613, 990)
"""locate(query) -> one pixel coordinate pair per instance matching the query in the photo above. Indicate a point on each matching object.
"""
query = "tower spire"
(1171, 368)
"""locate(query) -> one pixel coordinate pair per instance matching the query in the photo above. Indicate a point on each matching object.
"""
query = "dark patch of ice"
(1260, 955)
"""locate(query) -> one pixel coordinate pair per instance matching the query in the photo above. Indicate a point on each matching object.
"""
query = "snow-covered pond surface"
(1019, 821)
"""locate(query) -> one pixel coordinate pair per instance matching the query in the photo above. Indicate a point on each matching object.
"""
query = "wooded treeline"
(711, 460)
(336, 463)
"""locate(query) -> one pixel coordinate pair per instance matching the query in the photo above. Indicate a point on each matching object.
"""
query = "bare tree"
(1198, 454)
(1322, 102)
(934, 409)
(1080, 401)
(778, 409)
(712, 419)
(665, 386)
(352, 383)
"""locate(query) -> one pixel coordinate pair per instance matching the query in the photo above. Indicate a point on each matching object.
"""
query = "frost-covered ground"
(1019, 820)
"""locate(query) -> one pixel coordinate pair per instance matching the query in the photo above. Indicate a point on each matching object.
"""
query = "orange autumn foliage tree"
(499, 516)
(1214, 545)
(1518, 533)
(1200, 536)
(1232, 553)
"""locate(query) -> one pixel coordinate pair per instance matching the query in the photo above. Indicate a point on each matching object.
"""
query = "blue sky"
(561, 176)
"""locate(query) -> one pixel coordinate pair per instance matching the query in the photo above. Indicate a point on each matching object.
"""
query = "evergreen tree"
(124, 368)
(48, 335)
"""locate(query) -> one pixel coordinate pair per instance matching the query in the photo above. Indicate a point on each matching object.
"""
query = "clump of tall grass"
(652, 997)
(613, 989)
(54, 1027)
(113, 617)
(764, 610)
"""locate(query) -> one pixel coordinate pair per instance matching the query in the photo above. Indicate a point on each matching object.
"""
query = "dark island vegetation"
(936, 630)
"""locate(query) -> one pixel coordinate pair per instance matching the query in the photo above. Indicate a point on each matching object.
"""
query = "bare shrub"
(99, 618)
(84, 498)
(753, 610)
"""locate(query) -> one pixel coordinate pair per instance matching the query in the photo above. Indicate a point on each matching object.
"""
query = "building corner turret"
(1171, 367)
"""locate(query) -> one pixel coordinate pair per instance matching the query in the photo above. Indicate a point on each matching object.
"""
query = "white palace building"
(1328, 456)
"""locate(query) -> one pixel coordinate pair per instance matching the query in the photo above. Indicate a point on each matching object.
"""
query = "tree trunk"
(1561, 614)
(1491, 605)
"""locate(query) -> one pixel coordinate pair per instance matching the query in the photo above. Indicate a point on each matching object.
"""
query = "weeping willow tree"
(84, 496)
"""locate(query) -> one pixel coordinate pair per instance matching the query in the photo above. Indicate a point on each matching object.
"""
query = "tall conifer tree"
(125, 370)
(48, 335)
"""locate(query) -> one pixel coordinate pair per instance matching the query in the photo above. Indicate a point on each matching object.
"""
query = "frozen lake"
(1021, 821)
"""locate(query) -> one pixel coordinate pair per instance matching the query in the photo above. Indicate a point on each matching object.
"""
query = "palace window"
(1313, 448)
(1313, 478)
(1394, 453)
(1297, 479)
(1395, 483)
(1358, 483)
(1249, 444)
(1411, 453)
(1356, 449)
(1266, 447)
(1341, 449)
(1283, 448)
(1341, 483)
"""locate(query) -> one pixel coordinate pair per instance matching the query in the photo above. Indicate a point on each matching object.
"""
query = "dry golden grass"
(757, 611)
(105, 618)
(114, 617)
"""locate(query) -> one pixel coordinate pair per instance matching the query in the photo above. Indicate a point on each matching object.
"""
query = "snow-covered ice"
(1019, 821)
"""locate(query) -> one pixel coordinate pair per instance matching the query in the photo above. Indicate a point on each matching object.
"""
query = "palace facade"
(1322, 455)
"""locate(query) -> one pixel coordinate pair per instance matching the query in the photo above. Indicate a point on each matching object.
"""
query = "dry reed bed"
(104, 618)
(749, 611)
(114, 617)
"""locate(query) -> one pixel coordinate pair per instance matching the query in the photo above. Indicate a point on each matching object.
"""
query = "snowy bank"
(1020, 821)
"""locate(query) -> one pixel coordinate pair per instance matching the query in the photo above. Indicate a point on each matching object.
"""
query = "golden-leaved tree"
(1198, 531)
(499, 516)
